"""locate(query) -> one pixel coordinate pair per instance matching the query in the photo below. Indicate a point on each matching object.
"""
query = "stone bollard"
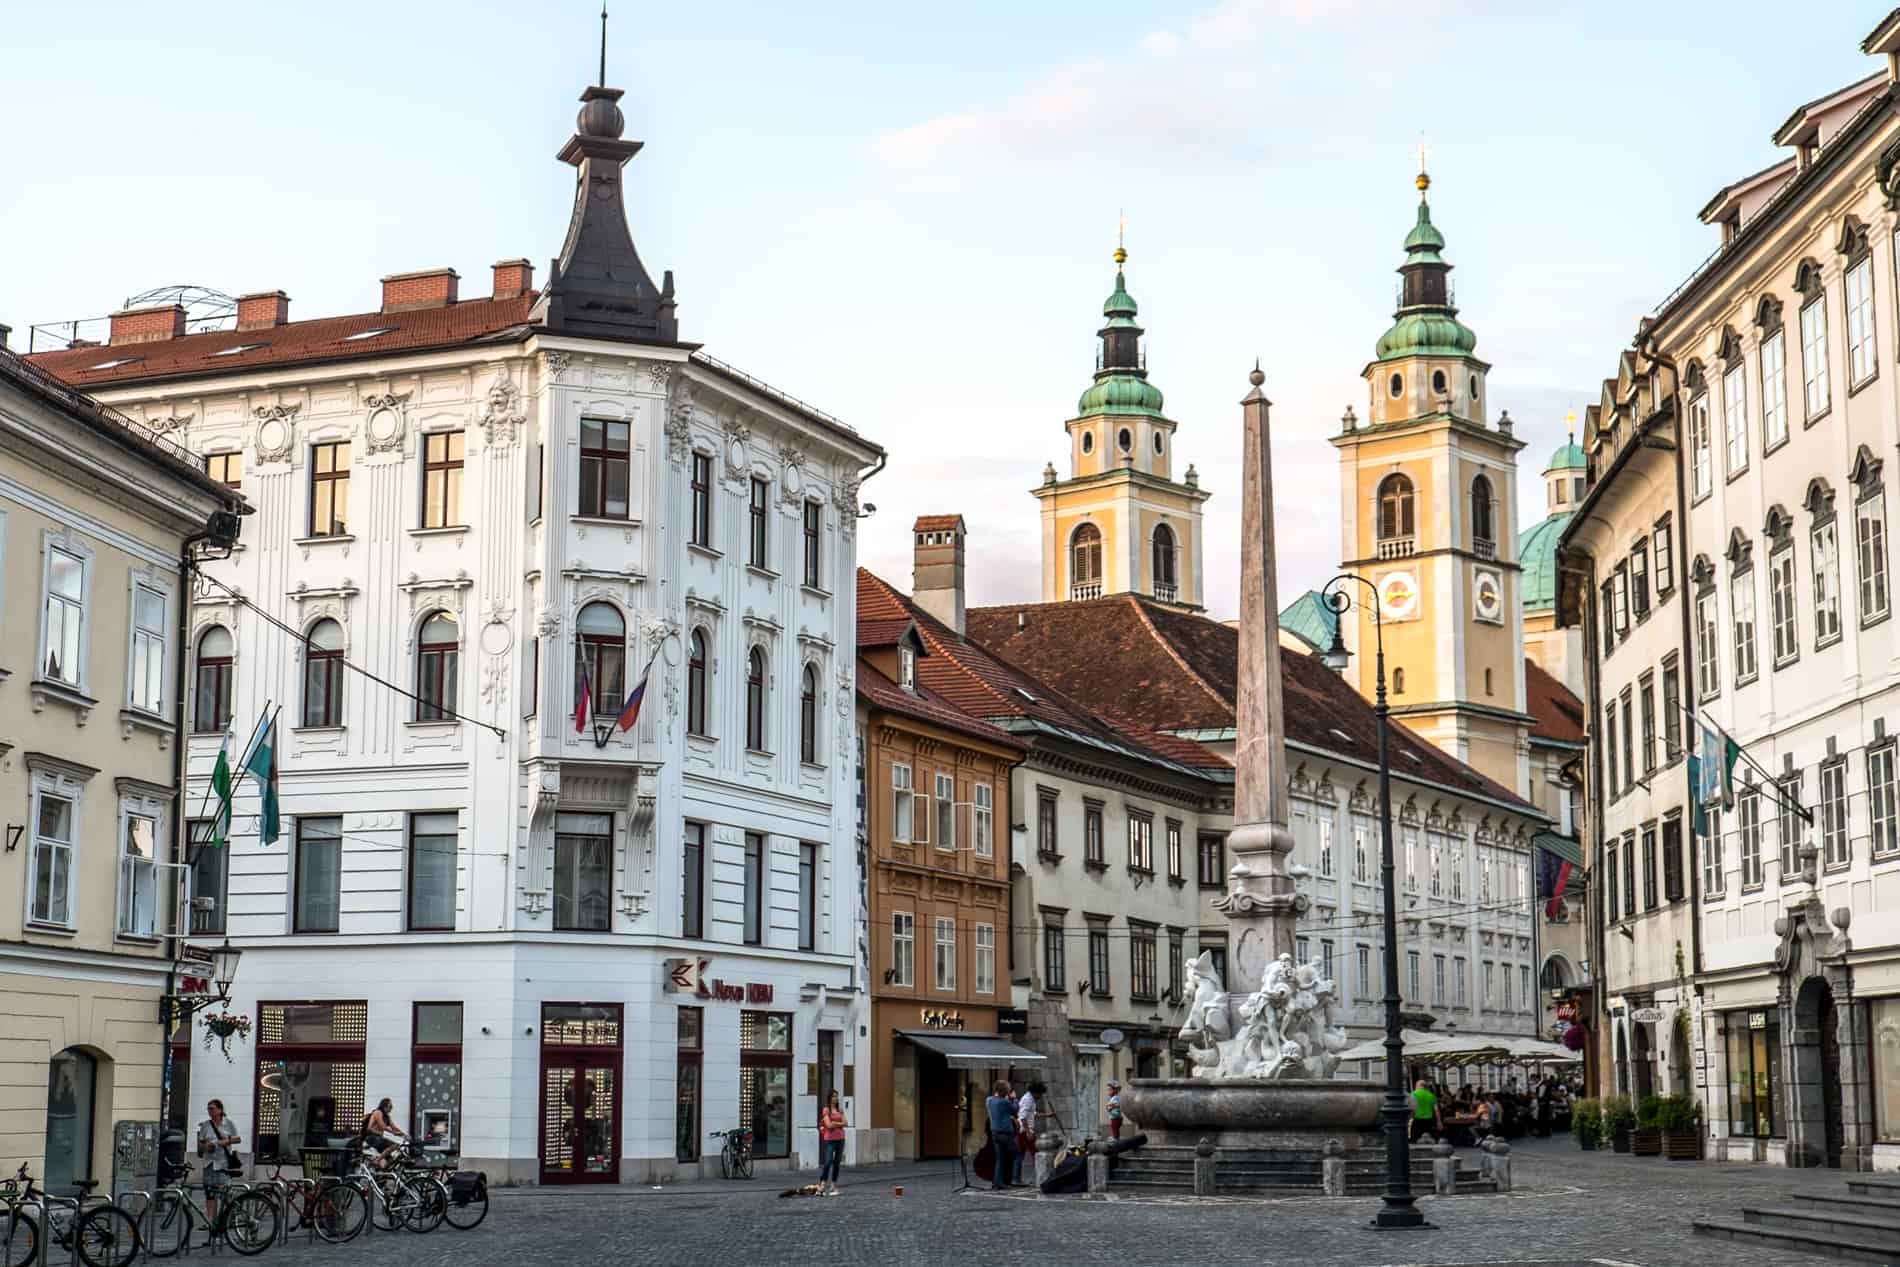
(1204, 1168)
(1484, 1156)
(1098, 1167)
(1048, 1148)
(1501, 1165)
(1444, 1169)
(1332, 1168)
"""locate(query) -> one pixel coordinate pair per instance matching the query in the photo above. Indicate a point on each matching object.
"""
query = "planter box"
(1682, 1145)
(1646, 1142)
(1620, 1140)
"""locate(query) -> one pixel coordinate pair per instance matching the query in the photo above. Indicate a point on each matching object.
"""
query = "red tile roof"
(1558, 711)
(295, 343)
(886, 696)
(880, 631)
(1169, 670)
(977, 683)
(936, 523)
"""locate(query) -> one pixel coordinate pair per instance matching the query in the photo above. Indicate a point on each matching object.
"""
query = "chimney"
(937, 572)
(263, 310)
(147, 325)
(513, 278)
(431, 288)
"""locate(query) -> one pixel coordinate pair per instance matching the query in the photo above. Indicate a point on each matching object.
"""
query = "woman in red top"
(830, 1145)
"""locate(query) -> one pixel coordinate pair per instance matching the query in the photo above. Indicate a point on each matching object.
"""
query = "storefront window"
(765, 1080)
(692, 1021)
(1887, 1066)
(1754, 1073)
(435, 1096)
(309, 1076)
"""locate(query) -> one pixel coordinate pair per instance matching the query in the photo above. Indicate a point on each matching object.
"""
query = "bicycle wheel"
(431, 1204)
(166, 1227)
(19, 1238)
(389, 1206)
(725, 1161)
(106, 1236)
(338, 1212)
(743, 1161)
(249, 1223)
(470, 1213)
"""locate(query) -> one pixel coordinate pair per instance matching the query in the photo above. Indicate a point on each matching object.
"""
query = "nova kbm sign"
(688, 976)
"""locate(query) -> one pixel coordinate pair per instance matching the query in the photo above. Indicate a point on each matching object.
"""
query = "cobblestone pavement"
(1569, 1207)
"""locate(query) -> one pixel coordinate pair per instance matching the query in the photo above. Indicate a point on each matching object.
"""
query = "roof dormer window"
(907, 667)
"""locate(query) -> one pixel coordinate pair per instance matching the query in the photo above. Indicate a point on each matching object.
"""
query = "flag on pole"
(1715, 772)
(582, 698)
(1553, 877)
(630, 711)
(221, 785)
(1698, 815)
(262, 766)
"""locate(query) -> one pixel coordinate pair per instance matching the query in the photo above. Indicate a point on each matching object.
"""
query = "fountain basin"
(1295, 1114)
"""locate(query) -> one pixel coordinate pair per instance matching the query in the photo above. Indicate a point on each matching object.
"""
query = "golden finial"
(1121, 233)
(1424, 181)
(1570, 425)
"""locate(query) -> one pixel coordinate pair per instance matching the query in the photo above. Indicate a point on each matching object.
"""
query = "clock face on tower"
(1487, 596)
(1398, 596)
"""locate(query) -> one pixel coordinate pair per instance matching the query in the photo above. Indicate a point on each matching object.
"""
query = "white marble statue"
(1287, 1027)
(1208, 1022)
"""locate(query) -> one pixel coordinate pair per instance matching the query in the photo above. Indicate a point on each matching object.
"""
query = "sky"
(905, 213)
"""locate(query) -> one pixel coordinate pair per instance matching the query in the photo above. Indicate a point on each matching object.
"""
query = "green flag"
(221, 784)
(263, 767)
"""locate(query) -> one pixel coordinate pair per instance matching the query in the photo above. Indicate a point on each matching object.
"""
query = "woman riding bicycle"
(380, 1132)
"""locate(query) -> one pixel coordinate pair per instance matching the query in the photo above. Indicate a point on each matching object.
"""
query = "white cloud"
(1161, 43)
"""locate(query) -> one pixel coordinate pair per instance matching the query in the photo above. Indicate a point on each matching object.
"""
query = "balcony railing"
(1483, 548)
(1085, 590)
(1164, 591)
(1397, 548)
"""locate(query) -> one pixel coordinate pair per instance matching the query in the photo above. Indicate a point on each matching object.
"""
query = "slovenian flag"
(630, 711)
(1553, 876)
(582, 699)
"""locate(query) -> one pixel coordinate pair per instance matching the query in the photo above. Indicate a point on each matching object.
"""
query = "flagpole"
(1741, 749)
(250, 747)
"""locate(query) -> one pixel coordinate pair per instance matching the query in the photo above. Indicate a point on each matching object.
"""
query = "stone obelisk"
(1260, 897)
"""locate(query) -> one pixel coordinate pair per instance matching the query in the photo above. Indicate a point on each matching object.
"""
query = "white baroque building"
(566, 952)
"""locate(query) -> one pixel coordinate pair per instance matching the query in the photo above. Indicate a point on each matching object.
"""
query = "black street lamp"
(1400, 1209)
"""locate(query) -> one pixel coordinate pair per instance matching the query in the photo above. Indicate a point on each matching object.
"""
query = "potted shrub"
(1619, 1120)
(1586, 1119)
(1646, 1139)
(1679, 1118)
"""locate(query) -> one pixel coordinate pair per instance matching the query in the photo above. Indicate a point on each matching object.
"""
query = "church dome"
(1427, 334)
(1537, 553)
(1568, 457)
(1120, 393)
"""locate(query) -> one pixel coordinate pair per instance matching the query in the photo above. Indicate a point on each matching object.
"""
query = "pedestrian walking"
(1002, 1118)
(1114, 1109)
(831, 1124)
(1027, 1110)
(1425, 1111)
(217, 1136)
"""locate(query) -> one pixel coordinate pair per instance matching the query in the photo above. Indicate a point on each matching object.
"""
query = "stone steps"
(1861, 1225)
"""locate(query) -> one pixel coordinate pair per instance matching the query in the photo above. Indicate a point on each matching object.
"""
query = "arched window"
(755, 700)
(808, 717)
(1085, 562)
(1164, 562)
(1395, 507)
(1481, 512)
(71, 1078)
(211, 710)
(323, 675)
(436, 657)
(1398, 681)
(696, 684)
(600, 657)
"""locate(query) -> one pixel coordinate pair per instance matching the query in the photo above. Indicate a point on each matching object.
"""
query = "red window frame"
(324, 669)
(421, 1053)
(605, 456)
(433, 660)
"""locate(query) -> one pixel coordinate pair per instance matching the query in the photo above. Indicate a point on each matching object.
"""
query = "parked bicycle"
(328, 1206)
(403, 1193)
(246, 1221)
(103, 1234)
(735, 1158)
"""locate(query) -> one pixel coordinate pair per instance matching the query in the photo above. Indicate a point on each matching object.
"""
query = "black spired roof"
(598, 287)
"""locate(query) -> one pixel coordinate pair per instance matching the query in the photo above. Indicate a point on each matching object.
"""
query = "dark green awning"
(1565, 847)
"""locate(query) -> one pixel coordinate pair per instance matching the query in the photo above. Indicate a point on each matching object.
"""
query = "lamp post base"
(1400, 1218)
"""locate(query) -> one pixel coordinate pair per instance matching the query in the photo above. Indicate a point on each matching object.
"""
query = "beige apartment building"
(94, 514)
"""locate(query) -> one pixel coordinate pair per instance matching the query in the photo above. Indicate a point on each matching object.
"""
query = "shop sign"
(1012, 1020)
(1758, 1020)
(935, 1018)
(1646, 1015)
(688, 976)
(194, 985)
(201, 955)
(1567, 1012)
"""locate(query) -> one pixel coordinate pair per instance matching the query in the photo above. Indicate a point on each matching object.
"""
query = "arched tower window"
(436, 668)
(323, 675)
(1483, 516)
(808, 717)
(600, 652)
(1085, 562)
(696, 683)
(1164, 579)
(755, 700)
(1395, 508)
(1398, 681)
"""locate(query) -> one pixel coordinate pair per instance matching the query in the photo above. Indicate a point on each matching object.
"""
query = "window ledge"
(815, 767)
(1095, 864)
(131, 719)
(693, 547)
(52, 930)
(138, 940)
(1178, 881)
(343, 538)
(605, 521)
(1855, 389)
(446, 530)
(815, 591)
(316, 730)
(1146, 873)
(1820, 417)
(444, 724)
(1048, 855)
(45, 689)
(763, 573)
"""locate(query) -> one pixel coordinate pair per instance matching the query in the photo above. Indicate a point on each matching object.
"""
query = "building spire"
(1121, 245)
(602, 82)
(1424, 180)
